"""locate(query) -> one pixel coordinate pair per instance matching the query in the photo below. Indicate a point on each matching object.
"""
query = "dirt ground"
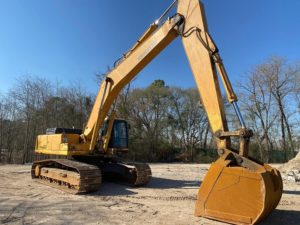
(168, 199)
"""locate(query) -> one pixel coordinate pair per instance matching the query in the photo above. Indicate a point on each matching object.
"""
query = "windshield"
(119, 136)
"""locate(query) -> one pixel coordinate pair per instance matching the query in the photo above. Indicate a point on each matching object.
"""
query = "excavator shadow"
(279, 217)
(114, 189)
(165, 183)
(291, 192)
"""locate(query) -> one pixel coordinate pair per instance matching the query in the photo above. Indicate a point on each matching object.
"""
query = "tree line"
(167, 123)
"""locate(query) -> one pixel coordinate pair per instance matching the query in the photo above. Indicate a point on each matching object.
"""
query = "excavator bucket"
(238, 194)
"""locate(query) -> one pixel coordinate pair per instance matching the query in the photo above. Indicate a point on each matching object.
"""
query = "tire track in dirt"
(167, 198)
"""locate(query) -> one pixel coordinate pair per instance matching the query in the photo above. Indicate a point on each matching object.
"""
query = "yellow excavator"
(236, 189)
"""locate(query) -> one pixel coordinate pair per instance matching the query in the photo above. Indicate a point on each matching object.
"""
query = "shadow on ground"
(164, 183)
(279, 217)
(115, 189)
(291, 193)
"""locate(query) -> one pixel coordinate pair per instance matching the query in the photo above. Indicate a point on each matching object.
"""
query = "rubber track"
(90, 175)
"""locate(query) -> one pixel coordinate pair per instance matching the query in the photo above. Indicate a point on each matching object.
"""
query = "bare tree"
(189, 118)
(269, 97)
(148, 111)
(280, 78)
(257, 101)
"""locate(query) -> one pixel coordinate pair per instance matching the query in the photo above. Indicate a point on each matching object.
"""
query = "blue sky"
(72, 40)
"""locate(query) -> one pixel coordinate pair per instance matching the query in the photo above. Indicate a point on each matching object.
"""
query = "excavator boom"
(149, 45)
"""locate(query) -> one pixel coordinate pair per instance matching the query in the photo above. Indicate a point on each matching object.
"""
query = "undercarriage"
(85, 173)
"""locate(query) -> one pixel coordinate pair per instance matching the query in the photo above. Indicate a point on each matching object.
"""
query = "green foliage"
(166, 122)
(157, 84)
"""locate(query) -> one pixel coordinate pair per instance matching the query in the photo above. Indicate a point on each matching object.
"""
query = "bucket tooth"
(238, 195)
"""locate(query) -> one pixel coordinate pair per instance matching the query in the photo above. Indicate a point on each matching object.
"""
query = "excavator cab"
(119, 135)
(118, 140)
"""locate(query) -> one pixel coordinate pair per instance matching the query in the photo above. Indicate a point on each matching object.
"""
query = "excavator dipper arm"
(236, 188)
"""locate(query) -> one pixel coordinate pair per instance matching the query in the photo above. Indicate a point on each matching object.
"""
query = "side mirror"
(128, 126)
